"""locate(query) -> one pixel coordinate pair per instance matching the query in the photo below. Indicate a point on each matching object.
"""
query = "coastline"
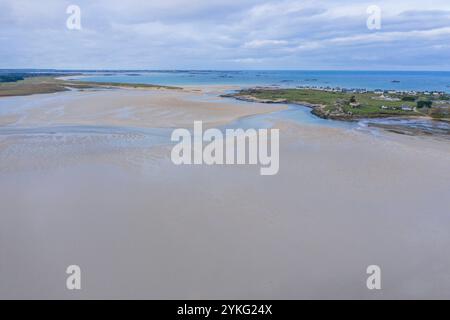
(171, 227)
(151, 107)
(323, 111)
(199, 152)
(64, 83)
(323, 206)
(315, 109)
(51, 84)
(319, 109)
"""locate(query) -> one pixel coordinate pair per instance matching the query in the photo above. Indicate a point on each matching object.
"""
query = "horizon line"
(211, 70)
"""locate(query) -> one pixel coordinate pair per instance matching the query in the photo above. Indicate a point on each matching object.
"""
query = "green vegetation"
(31, 85)
(92, 84)
(48, 84)
(424, 104)
(343, 105)
(19, 76)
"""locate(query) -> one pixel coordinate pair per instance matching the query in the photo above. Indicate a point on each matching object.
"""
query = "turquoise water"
(370, 80)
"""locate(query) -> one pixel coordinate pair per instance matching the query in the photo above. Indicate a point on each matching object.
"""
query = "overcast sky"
(225, 34)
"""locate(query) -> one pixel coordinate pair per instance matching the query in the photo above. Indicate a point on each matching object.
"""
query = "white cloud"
(255, 44)
(223, 34)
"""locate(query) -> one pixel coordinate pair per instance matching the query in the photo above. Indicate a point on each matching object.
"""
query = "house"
(406, 108)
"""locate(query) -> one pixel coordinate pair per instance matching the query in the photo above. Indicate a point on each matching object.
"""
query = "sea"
(369, 80)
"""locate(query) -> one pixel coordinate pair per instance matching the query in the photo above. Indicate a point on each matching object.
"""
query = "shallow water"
(410, 126)
(89, 130)
(69, 196)
(295, 113)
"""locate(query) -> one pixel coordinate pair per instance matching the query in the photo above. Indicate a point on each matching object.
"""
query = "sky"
(226, 35)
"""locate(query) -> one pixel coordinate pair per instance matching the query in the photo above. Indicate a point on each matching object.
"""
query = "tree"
(424, 104)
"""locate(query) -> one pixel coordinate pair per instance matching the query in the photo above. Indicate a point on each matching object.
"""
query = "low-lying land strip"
(22, 85)
(339, 105)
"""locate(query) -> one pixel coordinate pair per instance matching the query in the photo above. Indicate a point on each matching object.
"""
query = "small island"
(355, 104)
(24, 84)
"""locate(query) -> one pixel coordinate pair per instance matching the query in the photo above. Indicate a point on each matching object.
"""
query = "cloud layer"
(224, 34)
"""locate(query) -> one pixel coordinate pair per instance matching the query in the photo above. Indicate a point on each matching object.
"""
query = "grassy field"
(340, 105)
(30, 86)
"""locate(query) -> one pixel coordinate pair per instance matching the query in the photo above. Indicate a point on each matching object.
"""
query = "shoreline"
(119, 199)
(147, 108)
(129, 213)
(314, 107)
(48, 85)
(320, 110)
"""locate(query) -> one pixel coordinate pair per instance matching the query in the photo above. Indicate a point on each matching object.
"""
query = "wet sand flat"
(141, 227)
(123, 107)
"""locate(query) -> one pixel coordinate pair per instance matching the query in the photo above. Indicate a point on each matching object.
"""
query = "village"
(354, 103)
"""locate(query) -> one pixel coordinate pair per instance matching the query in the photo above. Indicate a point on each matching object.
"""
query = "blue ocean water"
(370, 80)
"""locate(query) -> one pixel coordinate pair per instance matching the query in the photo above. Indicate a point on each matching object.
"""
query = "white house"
(407, 108)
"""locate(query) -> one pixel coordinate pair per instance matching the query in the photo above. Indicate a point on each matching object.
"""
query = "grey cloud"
(222, 34)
